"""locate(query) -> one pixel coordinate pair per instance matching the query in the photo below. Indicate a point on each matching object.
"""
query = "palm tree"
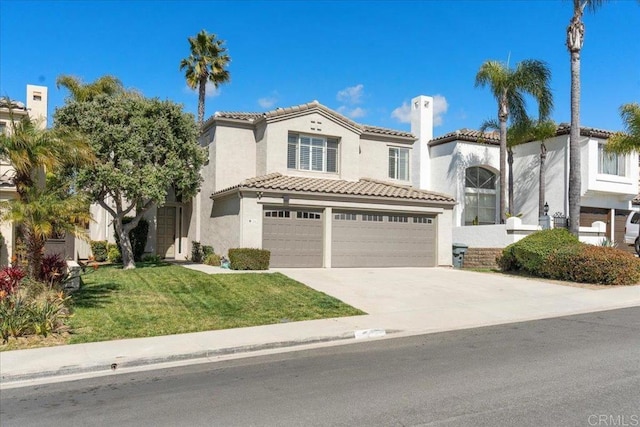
(628, 141)
(84, 92)
(32, 151)
(36, 155)
(206, 63)
(39, 213)
(541, 131)
(575, 39)
(509, 86)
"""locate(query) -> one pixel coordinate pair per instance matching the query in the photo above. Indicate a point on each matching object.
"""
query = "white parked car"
(631, 231)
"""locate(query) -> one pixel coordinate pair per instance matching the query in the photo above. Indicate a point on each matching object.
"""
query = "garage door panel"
(361, 243)
(294, 240)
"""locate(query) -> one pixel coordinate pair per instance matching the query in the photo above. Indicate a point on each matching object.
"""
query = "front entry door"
(166, 234)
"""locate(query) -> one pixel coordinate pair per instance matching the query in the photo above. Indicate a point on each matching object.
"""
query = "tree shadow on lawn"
(94, 296)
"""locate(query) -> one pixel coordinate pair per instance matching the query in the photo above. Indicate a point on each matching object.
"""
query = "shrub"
(137, 237)
(249, 259)
(152, 258)
(207, 250)
(593, 264)
(530, 253)
(99, 250)
(35, 309)
(212, 259)
(10, 278)
(53, 270)
(196, 251)
(114, 256)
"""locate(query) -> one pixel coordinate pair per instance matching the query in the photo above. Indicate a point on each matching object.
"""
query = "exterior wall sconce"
(546, 208)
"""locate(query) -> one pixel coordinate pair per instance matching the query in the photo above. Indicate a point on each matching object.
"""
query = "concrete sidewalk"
(401, 302)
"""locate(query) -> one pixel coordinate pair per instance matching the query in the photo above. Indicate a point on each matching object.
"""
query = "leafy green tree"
(143, 148)
(628, 141)
(509, 87)
(206, 63)
(81, 92)
(575, 40)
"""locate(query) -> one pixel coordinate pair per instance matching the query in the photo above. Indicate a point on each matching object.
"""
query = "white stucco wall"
(597, 190)
(449, 162)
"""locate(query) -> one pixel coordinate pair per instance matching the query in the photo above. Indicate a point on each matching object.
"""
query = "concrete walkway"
(399, 302)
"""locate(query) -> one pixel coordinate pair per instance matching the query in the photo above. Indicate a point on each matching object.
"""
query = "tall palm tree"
(509, 87)
(575, 40)
(206, 63)
(84, 92)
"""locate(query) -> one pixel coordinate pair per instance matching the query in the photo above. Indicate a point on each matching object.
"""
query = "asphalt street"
(573, 371)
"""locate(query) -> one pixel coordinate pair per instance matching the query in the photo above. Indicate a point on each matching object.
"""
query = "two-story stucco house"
(465, 164)
(318, 190)
(14, 111)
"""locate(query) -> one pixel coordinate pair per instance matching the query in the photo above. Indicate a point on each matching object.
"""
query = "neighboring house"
(36, 109)
(318, 190)
(465, 164)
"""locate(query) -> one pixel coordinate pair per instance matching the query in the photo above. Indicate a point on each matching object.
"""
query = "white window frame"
(318, 149)
(611, 163)
(396, 159)
(476, 192)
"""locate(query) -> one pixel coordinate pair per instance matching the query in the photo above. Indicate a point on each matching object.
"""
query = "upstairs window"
(312, 153)
(399, 163)
(610, 163)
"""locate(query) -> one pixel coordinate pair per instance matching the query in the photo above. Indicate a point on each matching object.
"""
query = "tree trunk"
(541, 182)
(126, 250)
(35, 252)
(575, 36)
(503, 115)
(202, 91)
(510, 162)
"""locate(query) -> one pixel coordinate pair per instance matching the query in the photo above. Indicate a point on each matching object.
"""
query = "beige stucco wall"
(233, 157)
(222, 227)
(276, 137)
(374, 159)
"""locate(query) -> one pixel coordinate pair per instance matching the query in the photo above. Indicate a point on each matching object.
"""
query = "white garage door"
(382, 239)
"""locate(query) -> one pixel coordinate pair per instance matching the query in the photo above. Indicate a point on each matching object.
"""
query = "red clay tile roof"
(314, 105)
(363, 187)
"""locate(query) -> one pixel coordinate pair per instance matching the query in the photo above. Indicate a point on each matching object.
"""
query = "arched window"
(479, 196)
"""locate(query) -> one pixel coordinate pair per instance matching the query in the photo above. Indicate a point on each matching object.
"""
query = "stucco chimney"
(422, 128)
(37, 104)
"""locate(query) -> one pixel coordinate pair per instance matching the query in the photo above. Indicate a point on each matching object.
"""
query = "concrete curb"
(113, 365)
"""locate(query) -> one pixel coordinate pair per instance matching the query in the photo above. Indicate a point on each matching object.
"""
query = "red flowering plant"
(10, 278)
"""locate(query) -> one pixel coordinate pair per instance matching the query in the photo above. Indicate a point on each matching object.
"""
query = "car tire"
(636, 246)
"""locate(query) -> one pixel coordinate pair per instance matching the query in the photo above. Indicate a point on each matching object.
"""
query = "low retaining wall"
(481, 258)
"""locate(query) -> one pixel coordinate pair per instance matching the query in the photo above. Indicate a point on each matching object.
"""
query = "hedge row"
(249, 259)
(557, 254)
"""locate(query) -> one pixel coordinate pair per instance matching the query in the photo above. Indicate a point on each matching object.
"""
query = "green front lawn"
(168, 299)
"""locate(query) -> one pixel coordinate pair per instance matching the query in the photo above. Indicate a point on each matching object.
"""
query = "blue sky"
(365, 59)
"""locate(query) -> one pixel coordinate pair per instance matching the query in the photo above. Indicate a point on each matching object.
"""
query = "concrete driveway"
(428, 299)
